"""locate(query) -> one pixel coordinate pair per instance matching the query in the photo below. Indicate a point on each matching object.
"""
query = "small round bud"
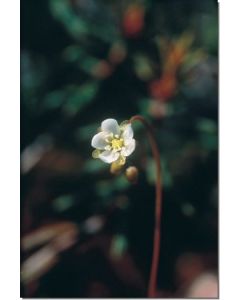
(95, 153)
(132, 174)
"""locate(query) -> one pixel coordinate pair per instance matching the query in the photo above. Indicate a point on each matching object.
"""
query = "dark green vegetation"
(85, 61)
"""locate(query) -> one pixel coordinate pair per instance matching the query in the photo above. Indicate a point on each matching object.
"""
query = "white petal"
(129, 148)
(110, 126)
(127, 134)
(109, 156)
(98, 141)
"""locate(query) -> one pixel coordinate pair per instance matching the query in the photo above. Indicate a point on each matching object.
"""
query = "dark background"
(84, 231)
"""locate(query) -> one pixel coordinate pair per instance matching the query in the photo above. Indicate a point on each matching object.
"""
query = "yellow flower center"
(117, 144)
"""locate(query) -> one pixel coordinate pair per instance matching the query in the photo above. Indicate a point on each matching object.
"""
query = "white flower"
(113, 143)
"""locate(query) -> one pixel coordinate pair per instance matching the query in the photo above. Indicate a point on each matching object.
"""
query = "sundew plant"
(113, 143)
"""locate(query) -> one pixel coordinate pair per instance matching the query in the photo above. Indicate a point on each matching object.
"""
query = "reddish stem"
(158, 206)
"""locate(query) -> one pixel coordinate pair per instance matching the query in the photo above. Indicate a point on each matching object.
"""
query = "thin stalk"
(158, 206)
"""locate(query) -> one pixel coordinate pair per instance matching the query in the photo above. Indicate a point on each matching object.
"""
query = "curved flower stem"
(158, 206)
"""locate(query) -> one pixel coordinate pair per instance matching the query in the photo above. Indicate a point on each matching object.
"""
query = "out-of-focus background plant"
(85, 232)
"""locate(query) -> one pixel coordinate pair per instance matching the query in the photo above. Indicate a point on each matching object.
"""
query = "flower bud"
(132, 174)
(117, 166)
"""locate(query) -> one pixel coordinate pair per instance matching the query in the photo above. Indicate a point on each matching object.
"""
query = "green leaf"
(207, 125)
(118, 246)
(80, 97)
(80, 26)
(86, 132)
(54, 99)
(143, 67)
(94, 166)
(151, 172)
(73, 53)
(63, 203)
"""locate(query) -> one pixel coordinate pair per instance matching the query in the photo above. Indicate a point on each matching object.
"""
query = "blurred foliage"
(83, 61)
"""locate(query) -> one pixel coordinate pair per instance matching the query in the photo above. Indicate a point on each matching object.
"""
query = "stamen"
(117, 144)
